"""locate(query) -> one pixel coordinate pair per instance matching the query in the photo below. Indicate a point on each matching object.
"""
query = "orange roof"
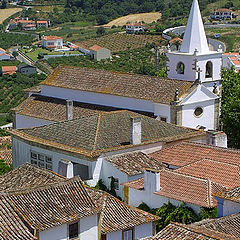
(219, 172)
(4, 54)
(231, 53)
(1, 49)
(30, 25)
(49, 38)
(42, 21)
(50, 46)
(175, 40)
(9, 68)
(25, 21)
(235, 60)
(189, 152)
(136, 24)
(136, 184)
(95, 48)
(223, 10)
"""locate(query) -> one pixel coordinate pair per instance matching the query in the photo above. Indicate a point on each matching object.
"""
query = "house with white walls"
(134, 27)
(126, 167)
(43, 205)
(232, 60)
(52, 42)
(81, 143)
(194, 173)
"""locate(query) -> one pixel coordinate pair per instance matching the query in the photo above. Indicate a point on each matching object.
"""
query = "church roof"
(142, 87)
(194, 37)
(103, 132)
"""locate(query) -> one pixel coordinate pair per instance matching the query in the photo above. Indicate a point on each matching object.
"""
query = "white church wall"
(206, 119)
(143, 231)
(98, 98)
(28, 122)
(22, 154)
(57, 233)
(230, 207)
(89, 228)
(114, 235)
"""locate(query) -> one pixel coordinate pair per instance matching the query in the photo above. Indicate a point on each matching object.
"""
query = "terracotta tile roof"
(50, 38)
(135, 184)
(133, 163)
(231, 53)
(185, 188)
(54, 204)
(116, 215)
(30, 25)
(42, 21)
(25, 21)
(232, 194)
(223, 173)
(9, 68)
(181, 231)
(103, 132)
(227, 225)
(6, 155)
(3, 50)
(95, 48)
(223, 10)
(235, 60)
(115, 83)
(11, 226)
(189, 152)
(34, 89)
(54, 109)
(177, 39)
(27, 177)
(136, 24)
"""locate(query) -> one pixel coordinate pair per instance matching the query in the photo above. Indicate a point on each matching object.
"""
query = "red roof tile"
(49, 38)
(190, 152)
(95, 48)
(136, 184)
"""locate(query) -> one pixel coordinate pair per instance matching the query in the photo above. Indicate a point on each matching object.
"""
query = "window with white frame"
(128, 234)
(41, 160)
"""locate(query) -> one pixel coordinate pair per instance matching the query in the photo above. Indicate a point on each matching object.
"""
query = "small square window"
(116, 183)
(128, 234)
(48, 159)
(73, 230)
(41, 157)
(33, 155)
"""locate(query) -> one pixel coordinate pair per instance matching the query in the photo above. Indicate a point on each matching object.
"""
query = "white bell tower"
(194, 60)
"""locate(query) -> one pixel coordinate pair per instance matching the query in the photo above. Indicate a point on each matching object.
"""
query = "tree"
(100, 31)
(4, 168)
(4, 4)
(230, 112)
(101, 19)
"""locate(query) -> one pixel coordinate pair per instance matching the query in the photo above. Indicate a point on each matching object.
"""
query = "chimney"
(136, 130)
(216, 138)
(69, 109)
(65, 168)
(151, 180)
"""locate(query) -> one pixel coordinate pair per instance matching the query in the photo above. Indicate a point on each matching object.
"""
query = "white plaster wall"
(57, 233)
(114, 235)
(28, 122)
(136, 197)
(21, 155)
(162, 110)
(206, 119)
(143, 231)
(89, 228)
(98, 98)
(109, 170)
(230, 207)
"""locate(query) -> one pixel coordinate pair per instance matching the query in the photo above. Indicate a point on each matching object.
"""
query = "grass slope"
(5, 13)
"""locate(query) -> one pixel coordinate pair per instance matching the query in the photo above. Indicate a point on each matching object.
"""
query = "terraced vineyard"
(120, 41)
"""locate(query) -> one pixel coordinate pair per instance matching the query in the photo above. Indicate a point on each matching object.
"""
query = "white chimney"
(65, 168)
(152, 180)
(136, 130)
(69, 109)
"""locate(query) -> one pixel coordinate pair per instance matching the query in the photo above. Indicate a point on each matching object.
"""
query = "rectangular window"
(73, 230)
(116, 183)
(128, 234)
(41, 160)
(163, 119)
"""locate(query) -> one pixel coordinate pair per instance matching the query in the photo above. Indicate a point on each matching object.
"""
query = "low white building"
(222, 13)
(98, 53)
(135, 27)
(232, 59)
(52, 42)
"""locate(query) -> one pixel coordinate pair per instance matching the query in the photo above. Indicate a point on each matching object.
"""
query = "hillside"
(5, 13)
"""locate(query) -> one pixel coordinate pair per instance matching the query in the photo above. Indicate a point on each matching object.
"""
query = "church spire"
(194, 37)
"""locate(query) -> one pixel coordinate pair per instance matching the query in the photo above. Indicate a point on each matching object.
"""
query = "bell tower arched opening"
(180, 68)
(209, 70)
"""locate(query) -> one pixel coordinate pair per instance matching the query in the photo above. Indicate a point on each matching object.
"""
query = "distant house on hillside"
(43, 23)
(222, 13)
(135, 27)
(98, 53)
(29, 27)
(10, 70)
(52, 42)
(4, 55)
(26, 69)
(232, 60)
